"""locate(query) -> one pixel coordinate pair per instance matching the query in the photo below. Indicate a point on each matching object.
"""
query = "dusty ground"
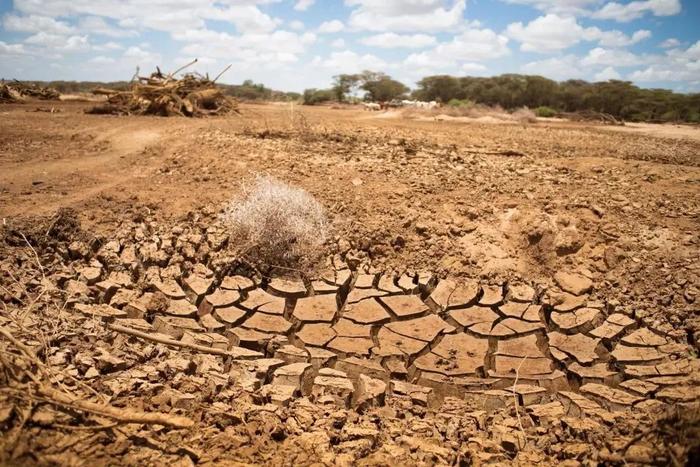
(559, 257)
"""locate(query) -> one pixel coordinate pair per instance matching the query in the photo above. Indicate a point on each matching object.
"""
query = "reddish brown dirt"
(496, 205)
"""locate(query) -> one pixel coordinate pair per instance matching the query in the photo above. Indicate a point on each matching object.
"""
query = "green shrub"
(544, 111)
(316, 96)
(460, 103)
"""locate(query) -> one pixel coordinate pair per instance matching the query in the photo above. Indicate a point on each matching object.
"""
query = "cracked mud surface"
(455, 269)
(446, 337)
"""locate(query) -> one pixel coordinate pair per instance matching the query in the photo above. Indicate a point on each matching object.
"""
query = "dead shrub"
(277, 227)
(524, 115)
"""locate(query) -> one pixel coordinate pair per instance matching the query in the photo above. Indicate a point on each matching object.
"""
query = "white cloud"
(136, 52)
(246, 19)
(611, 57)
(274, 48)
(139, 56)
(330, 27)
(551, 33)
(619, 39)
(574, 7)
(670, 43)
(97, 25)
(170, 20)
(691, 53)
(303, 5)
(57, 42)
(676, 66)
(654, 73)
(624, 12)
(338, 43)
(297, 25)
(547, 33)
(406, 16)
(111, 45)
(36, 23)
(102, 60)
(474, 45)
(390, 40)
(607, 74)
(558, 68)
(473, 67)
(11, 49)
(162, 15)
(348, 61)
(426, 62)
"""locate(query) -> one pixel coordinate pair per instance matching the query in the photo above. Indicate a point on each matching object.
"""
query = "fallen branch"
(63, 398)
(168, 341)
(123, 415)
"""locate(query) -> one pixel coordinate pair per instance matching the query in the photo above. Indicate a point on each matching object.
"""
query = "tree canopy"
(378, 86)
(621, 99)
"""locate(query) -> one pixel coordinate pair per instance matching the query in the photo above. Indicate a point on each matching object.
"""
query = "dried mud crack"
(343, 363)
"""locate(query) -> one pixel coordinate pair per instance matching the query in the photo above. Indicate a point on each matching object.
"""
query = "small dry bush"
(276, 226)
(524, 115)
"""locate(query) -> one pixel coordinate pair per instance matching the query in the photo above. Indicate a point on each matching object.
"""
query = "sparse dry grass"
(274, 225)
(522, 115)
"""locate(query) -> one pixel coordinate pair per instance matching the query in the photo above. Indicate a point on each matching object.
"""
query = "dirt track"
(507, 207)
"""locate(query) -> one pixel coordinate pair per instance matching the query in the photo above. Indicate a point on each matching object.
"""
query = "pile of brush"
(17, 91)
(7, 94)
(192, 95)
(592, 116)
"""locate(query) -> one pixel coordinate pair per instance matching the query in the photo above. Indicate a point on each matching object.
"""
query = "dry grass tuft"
(274, 225)
(524, 115)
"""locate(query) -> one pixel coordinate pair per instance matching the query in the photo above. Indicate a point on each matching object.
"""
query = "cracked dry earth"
(349, 338)
(430, 337)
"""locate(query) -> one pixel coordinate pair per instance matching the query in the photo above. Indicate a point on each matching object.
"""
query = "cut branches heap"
(192, 95)
(17, 91)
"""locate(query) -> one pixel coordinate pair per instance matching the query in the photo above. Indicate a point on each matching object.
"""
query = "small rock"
(573, 283)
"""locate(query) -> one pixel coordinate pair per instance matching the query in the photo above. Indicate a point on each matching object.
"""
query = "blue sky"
(297, 44)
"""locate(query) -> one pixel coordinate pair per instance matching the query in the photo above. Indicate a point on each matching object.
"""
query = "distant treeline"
(621, 99)
(248, 90)
(258, 92)
(69, 87)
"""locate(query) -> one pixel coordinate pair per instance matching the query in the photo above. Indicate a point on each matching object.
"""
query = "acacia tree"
(345, 84)
(378, 85)
(381, 87)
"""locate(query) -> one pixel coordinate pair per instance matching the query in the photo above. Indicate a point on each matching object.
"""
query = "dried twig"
(87, 427)
(515, 396)
(170, 342)
(36, 255)
(222, 72)
(182, 68)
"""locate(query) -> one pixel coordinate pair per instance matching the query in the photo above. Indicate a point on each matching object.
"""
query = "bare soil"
(493, 293)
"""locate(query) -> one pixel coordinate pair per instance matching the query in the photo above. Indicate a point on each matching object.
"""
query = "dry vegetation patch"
(275, 225)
